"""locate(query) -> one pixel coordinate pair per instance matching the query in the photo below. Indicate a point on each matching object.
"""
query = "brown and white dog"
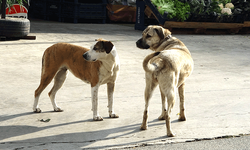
(97, 66)
(168, 66)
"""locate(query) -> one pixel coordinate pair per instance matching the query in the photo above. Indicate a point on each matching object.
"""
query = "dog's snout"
(88, 57)
(142, 44)
(138, 43)
(85, 56)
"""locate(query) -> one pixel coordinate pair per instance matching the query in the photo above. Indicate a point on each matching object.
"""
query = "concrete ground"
(226, 143)
(217, 93)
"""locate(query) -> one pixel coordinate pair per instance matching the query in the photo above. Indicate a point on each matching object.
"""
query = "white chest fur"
(109, 69)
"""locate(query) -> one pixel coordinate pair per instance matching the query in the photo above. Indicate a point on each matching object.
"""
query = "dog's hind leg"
(150, 86)
(58, 82)
(37, 95)
(170, 94)
(181, 91)
(171, 102)
(163, 99)
(168, 87)
(45, 80)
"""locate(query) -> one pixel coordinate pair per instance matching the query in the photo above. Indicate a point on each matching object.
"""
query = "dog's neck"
(154, 48)
(112, 60)
(171, 44)
(166, 38)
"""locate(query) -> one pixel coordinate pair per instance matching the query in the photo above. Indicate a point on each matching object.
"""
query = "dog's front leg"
(94, 94)
(110, 90)
(144, 125)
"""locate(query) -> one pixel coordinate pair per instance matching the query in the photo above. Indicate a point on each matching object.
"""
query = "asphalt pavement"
(217, 93)
(226, 143)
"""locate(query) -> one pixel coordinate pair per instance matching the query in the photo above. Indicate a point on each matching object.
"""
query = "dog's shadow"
(85, 138)
(8, 117)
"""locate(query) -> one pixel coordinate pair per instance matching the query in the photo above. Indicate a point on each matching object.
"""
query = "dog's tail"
(154, 66)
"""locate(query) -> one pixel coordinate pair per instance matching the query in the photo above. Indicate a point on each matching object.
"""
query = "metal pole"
(3, 9)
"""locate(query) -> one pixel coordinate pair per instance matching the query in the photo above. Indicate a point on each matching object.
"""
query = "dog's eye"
(148, 36)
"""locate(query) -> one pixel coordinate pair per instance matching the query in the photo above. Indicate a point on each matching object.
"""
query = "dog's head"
(99, 50)
(152, 37)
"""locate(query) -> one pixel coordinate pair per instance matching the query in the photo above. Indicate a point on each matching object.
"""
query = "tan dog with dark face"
(169, 67)
(97, 66)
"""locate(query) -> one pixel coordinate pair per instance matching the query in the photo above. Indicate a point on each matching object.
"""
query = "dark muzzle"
(141, 44)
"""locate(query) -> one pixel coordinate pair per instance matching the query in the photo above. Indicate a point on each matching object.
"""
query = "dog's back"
(174, 43)
(69, 56)
(173, 57)
(61, 52)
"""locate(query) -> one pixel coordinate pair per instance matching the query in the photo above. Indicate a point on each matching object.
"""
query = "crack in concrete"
(161, 142)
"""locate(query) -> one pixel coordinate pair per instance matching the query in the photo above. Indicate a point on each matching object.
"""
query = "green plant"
(10, 3)
(224, 2)
(164, 6)
(214, 6)
(197, 7)
(174, 9)
(204, 7)
(182, 10)
(242, 7)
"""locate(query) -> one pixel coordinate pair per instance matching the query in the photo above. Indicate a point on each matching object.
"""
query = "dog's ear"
(160, 32)
(107, 46)
(100, 39)
(167, 32)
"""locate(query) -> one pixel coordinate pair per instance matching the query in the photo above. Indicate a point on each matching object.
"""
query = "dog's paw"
(161, 117)
(144, 127)
(98, 118)
(182, 118)
(114, 116)
(170, 134)
(37, 110)
(58, 109)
